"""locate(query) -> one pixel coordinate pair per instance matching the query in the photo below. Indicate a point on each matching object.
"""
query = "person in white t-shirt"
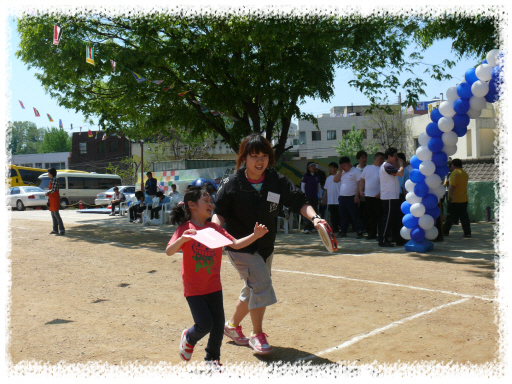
(348, 178)
(389, 172)
(331, 194)
(369, 185)
(362, 159)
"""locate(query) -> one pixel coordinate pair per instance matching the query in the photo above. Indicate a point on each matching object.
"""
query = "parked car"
(105, 197)
(22, 197)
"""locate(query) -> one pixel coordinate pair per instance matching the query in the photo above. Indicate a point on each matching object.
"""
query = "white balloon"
(480, 88)
(451, 94)
(417, 209)
(423, 138)
(426, 222)
(439, 191)
(450, 138)
(412, 198)
(446, 124)
(405, 233)
(427, 167)
(450, 150)
(474, 114)
(477, 103)
(433, 181)
(409, 185)
(446, 108)
(431, 233)
(484, 72)
(423, 153)
(493, 57)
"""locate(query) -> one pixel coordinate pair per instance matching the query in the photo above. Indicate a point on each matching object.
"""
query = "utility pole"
(142, 165)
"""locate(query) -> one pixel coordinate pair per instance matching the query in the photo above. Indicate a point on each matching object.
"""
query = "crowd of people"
(367, 197)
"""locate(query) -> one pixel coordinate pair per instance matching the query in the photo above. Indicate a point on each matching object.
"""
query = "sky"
(23, 85)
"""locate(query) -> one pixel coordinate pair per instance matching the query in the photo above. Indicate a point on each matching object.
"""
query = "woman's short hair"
(255, 143)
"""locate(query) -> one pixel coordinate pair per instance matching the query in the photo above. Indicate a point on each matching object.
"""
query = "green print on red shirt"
(203, 256)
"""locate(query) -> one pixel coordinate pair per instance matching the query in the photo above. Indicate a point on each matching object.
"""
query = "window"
(92, 183)
(13, 173)
(302, 137)
(75, 183)
(129, 190)
(295, 141)
(56, 165)
(38, 165)
(30, 177)
(100, 147)
(108, 183)
(345, 132)
(331, 135)
(316, 135)
(82, 147)
(29, 165)
(15, 191)
(112, 146)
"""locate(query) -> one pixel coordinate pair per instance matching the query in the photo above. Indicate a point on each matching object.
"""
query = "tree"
(23, 138)
(389, 129)
(352, 142)
(55, 140)
(243, 66)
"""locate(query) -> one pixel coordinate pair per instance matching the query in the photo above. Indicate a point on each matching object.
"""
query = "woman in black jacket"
(255, 194)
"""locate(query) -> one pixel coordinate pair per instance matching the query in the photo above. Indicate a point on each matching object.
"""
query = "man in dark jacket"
(151, 185)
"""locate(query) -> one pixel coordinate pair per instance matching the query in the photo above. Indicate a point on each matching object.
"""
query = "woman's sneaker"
(236, 334)
(259, 344)
(186, 349)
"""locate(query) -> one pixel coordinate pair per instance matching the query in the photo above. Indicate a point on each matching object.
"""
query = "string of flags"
(89, 58)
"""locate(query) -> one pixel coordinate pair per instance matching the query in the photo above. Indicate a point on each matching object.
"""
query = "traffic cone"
(80, 205)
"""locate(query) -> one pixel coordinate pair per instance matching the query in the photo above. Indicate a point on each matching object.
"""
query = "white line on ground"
(383, 283)
(339, 252)
(376, 331)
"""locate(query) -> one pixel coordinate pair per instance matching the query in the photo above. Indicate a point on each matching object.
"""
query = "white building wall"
(325, 148)
(42, 160)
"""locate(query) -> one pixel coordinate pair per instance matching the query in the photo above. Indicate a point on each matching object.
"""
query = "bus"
(25, 176)
(75, 186)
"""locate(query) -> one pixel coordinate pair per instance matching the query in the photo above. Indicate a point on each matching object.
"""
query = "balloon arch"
(449, 122)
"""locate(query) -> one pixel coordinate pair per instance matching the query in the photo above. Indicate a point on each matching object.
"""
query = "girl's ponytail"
(181, 212)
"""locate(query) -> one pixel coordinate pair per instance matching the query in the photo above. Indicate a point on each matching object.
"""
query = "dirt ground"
(109, 293)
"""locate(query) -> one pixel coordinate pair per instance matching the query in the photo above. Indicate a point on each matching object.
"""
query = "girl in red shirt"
(200, 270)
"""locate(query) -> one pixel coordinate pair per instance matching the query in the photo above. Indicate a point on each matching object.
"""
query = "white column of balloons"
(449, 122)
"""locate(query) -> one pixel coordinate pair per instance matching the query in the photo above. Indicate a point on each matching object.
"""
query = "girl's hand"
(187, 235)
(260, 230)
(318, 221)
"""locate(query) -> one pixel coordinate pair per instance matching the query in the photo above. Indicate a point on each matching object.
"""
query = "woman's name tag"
(273, 197)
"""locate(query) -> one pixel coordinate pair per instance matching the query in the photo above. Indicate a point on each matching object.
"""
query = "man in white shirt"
(389, 195)
(331, 194)
(348, 178)
(369, 185)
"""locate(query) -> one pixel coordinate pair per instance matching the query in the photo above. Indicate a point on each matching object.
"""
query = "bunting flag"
(60, 124)
(113, 63)
(138, 77)
(196, 101)
(204, 109)
(96, 136)
(89, 55)
(80, 131)
(183, 93)
(171, 87)
(49, 118)
(104, 136)
(214, 113)
(36, 112)
(22, 106)
(157, 81)
(119, 136)
(90, 133)
(71, 127)
(57, 34)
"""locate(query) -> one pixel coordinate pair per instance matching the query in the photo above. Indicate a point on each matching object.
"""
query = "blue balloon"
(430, 201)
(416, 176)
(435, 144)
(434, 212)
(439, 158)
(442, 171)
(435, 115)
(470, 76)
(464, 90)
(496, 70)
(210, 184)
(415, 162)
(406, 208)
(461, 106)
(461, 120)
(433, 130)
(460, 131)
(493, 86)
(417, 234)
(491, 98)
(421, 189)
(410, 221)
(485, 61)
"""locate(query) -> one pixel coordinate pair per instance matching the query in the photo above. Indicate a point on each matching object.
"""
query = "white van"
(74, 187)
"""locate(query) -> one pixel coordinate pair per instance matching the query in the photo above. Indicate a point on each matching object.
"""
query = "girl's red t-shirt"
(200, 268)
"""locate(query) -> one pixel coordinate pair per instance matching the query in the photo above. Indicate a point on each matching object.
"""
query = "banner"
(89, 55)
(57, 34)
